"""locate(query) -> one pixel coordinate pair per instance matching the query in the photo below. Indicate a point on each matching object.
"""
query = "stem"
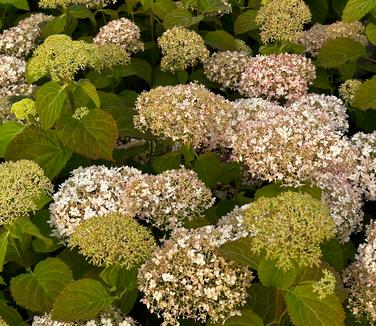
(70, 98)
(278, 305)
(21, 255)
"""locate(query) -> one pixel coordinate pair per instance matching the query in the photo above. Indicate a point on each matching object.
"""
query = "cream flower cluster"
(360, 278)
(52, 4)
(277, 76)
(189, 114)
(181, 48)
(112, 317)
(225, 68)
(216, 8)
(91, 191)
(282, 20)
(188, 279)
(122, 32)
(12, 77)
(20, 40)
(169, 199)
(316, 37)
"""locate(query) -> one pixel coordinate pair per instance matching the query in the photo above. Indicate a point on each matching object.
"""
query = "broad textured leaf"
(3, 247)
(245, 22)
(333, 254)
(240, 251)
(40, 220)
(93, 136)
(262, 301)
(270, 275)
(40, 146)
(38, 290)
(81, 300)
(90, 90)
(19, 4)
(371, 33)
(50, 100)
(356, 9)
(339, 51)
(208, 168)
(8, 131)
(180, 17)
(306, 309)
(166, 162)
(274, 190)
(10, 315)
(120, 278)
(319, 10)
(221, 40)
(365, 98)
(55, 26)
(128, 300)
(138, 67)
(161, 8)
(23, 225)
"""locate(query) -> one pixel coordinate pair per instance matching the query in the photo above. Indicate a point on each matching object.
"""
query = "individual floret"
(277, 77)
(282, 20)
(111, 239)
(181, 48)
(169, 199)
(22, 183)
(188, 279)
(91, 191)
(289, 228)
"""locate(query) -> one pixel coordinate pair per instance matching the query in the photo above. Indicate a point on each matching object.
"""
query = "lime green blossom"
(79, 113)
(349, 89)
(24, 108)
(289, 228)
(326, 285)
(113, 238)
(282, 20)
(21, 183)
(181, 48)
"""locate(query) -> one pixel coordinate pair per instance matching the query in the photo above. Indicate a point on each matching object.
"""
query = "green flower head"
(113, 238)
(21, 184)
(23, 109)
(289, 228)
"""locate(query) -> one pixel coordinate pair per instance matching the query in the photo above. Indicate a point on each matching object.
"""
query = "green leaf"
(247, 318)
(8, 131)
(245, 22)
(55, 26)
(40, 146)
(339, 51)
(80, 12)
(333, 254)
(262, 300)
(138, 67)
(274, 190)
(10, 315)
(365, 98)
(41, 221)
(81, 300)
(120, 278)
(166, 162)
(240, 251)
(3, 247)
(128, 300)
(319, 10)
(356, 9)
(371, 33)
(208, 168)
(23, 225)
(50, 100)
(270, 275)
(221, 40)
(90, 90)
(38, 290)
(306, 309)
(161, 8)
(93, 136)
(19, 4)
(180, 17)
